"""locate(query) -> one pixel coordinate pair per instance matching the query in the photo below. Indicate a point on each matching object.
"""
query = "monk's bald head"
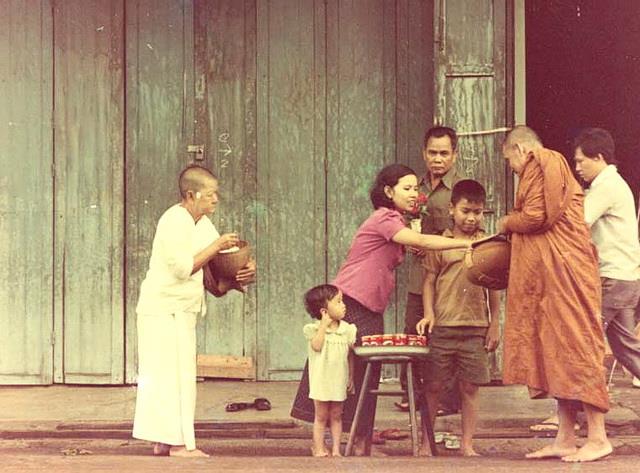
(523, 136)
(194, 178)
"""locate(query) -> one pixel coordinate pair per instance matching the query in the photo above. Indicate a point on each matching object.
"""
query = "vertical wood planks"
(361, 101)
(89, 190)
(159, 118)
(291, 183)
(225, 110)
(26, 193)
(471, 93)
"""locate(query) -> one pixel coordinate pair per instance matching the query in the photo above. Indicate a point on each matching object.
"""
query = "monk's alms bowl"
(487, 262)
(226, 264)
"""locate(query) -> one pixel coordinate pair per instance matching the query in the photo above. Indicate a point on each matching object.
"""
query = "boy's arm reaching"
(428, 297)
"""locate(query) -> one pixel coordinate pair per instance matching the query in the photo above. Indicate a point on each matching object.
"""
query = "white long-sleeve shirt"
(609, 210)
(169, 286)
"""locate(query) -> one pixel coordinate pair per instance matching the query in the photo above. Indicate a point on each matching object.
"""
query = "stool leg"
(427, 425)
(356, 418)
(412, 408)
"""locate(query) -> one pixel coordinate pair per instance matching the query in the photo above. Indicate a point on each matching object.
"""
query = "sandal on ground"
(402, 405)
(377, 439)
(237, 406)
(394, 434)
(262, 404)
(549, 426)
(452, 442)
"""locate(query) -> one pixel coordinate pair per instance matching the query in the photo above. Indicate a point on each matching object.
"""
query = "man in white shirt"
(609, 209)
(171, 297)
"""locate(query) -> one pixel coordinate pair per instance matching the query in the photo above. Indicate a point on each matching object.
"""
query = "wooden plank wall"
(297, 103)
(160, 125)
(291, 177)
(26, 193)
(471, 95)
(225, 123)
(89, 191)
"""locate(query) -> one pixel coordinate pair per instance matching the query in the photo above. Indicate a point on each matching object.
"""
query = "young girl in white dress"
(330, 363)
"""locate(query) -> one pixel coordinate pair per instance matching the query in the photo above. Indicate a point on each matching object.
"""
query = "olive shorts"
(457, 352)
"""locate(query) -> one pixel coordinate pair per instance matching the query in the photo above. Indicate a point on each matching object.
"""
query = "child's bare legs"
(565, 442)
(597, 445)
(322, 414)
(335, 414)
(469, 397)
(432, 392)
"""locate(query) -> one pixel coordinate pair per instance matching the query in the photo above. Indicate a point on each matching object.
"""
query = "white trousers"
(166, 397)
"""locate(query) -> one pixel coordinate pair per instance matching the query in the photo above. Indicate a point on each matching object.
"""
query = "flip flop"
(377, 439)
(402, 405)
(452, 442)
(262, 404)
(394, 434)
(237, 406)
(546, 426)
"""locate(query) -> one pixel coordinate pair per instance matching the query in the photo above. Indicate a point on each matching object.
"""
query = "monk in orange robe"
(553, 337)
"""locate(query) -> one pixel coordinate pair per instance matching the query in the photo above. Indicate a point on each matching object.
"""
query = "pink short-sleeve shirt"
(368, 274)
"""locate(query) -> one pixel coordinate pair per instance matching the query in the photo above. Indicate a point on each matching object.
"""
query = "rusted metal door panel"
(160, 119)
(290, 210)
(89, 191)
(361, 117)
(471, 91)
(225, 123)
(26, 193)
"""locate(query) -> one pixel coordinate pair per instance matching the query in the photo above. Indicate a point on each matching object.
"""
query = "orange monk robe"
(553, 339)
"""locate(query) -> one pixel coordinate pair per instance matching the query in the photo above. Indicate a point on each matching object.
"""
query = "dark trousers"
(619, 302)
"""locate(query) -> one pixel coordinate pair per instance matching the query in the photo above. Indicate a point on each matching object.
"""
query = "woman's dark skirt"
(368, 323)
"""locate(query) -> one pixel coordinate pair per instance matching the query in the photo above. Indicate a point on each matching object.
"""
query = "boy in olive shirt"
(461, 330)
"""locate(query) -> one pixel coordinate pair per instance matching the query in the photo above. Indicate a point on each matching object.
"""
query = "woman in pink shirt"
(367, 277)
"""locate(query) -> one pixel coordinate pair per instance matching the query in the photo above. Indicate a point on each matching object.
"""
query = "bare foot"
(424, 450)
(469, 452)
(161, 449)
(336, 454)
(319, 453)
(552, 451)
(184, 453)
(589, 452)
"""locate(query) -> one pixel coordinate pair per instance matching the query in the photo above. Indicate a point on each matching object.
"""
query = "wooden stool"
(393, 355)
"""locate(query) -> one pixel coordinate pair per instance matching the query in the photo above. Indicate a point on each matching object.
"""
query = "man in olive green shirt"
(439, 153)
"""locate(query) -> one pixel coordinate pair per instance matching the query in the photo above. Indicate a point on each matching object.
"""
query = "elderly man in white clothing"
(609, 210)
(171, 296)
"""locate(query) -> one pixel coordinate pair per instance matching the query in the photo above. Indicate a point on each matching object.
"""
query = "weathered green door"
(471, 93)
(26, 193)
(89, 191)
(160, 124)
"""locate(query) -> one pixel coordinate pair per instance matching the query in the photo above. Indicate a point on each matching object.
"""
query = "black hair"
(470, 190)
(388, 176)
(439, 132)
(594, 141)
(192, 179)
(318, 297)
